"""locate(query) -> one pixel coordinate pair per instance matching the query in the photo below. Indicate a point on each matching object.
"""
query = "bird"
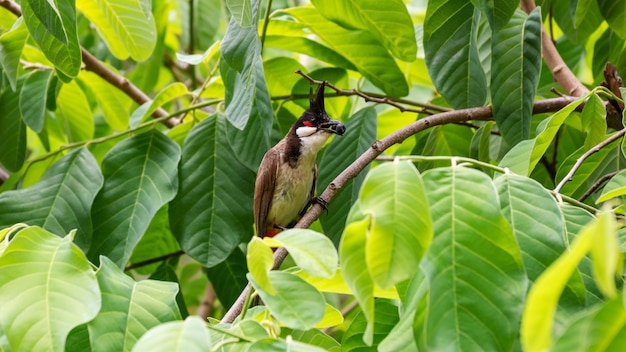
(285, 182)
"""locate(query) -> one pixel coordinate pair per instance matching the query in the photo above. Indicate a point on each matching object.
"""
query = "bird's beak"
(333, 126)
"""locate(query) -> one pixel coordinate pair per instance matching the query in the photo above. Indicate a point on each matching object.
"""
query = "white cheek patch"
(305, 131)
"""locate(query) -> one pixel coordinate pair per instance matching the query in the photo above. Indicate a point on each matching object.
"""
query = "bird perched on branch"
(285, 183)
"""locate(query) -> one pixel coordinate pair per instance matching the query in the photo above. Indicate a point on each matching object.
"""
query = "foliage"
(492, 219)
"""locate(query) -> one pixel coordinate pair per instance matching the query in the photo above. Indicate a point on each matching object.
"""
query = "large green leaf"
(613, 12)
(126, 26)
(52, 24)
(362, 49)
(61, 201)
(394, 198)
(113, 103)
(475, 269)
(578, 19)
(165, 95)
(11, 45)
(540, 235)
(498, 12)
(13, 132)
(515, 66)
(212, 212)
(312, 251)
(47, 288)
(296, 303)
(184, 336)
(308, 47)
(451, 53)
(129, 308)
(260, 261)
(241, 11)
(140, 176)
(338, 155)
(387, 21)
(33, 99)
(602, 328)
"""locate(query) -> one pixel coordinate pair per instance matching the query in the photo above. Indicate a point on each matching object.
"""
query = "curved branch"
(96, 66)
(561, 73)
(481, 113)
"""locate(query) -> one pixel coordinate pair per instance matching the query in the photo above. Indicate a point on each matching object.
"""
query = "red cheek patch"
(308, 123)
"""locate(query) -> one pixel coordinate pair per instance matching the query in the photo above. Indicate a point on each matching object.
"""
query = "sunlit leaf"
(312, 251)
(616, 187)
(127, 27)
(173, 91)
(11, 44)
(260, 261)
(47, 287)
(612, 12)
(388, 21)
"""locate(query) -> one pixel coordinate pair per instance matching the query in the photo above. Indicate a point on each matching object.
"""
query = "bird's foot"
(320, 201)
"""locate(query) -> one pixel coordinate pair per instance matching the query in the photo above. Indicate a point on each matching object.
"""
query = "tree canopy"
(475, 201)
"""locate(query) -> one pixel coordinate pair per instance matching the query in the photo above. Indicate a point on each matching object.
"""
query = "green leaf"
(352, 255)
(312, 251)
(388, 21)
(140, 176)
(594, 121)
(209, 227)
(61, 201)
(126, 26)
(314, 337)
(338, 155)
(606, 255)
(11, 45)
(386, 318)
(73, 114)
(578, 19)
(498, 12)
(524, 156)
(229, 277)
(13, 132)
(515, 66)
(33, 99)
(129, 308)
(540, 235)
(165, 95)
(260, 261)
(613, 11)
(296, 304)
(47, 288)
(616, 187)
(481, 142)
(601, 328)
(252, 103)
(477, 278)
(401, 229)
(307, 47)
(361, 48)
(241, 11)
(52, 24)
(452, 54)
(184, 336)
(537, 321)
(276, 345)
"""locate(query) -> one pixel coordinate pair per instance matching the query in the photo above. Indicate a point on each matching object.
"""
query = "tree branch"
(480, 113)
(587, 154)
(561, 73)
(597, 185)
(94, 65)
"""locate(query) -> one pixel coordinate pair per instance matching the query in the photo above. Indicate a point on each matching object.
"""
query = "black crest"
(317, 104)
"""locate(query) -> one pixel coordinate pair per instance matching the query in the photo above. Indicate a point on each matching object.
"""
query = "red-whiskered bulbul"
(285, 183)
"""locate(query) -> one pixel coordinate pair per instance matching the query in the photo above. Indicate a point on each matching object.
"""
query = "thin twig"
(597, 185)
(584, 157)
(153, 260)
(376, 98)
(266, 21)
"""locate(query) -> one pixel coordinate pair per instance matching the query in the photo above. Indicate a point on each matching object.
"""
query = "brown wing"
(264, 189)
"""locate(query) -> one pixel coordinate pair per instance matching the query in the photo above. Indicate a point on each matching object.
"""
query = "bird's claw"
(321, 202)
